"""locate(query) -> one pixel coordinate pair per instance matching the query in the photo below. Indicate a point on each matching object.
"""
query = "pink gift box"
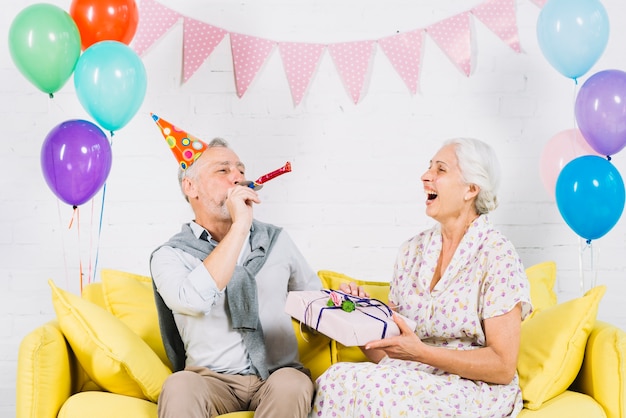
(371, 320)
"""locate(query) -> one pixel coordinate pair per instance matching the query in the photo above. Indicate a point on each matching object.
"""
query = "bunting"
(300, 61)
(353, 60)
(404, 51)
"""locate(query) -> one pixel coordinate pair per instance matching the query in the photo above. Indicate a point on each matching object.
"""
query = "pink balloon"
(558, 151)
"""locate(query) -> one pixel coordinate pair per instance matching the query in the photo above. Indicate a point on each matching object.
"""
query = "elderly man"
(220, 286)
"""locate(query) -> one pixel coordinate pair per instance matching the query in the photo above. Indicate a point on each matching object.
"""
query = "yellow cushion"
(43, 374)
(376, 290)
(552, 347)
(130, 298)
(567, 404)
(314, 349)
(106, 405)
(116, 358)
(603, 373)
(542, 278)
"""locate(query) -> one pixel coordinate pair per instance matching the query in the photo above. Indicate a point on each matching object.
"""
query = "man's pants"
(198, 392)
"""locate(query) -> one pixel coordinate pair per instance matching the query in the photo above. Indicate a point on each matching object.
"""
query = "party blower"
(258, 183)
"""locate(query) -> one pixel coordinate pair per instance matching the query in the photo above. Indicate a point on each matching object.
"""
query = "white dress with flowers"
(485, 278)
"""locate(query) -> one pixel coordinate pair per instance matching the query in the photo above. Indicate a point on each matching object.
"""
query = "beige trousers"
(198, 392)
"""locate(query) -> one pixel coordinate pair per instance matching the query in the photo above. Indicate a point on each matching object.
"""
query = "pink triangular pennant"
(199, 41)
(540, 3)
(352, 60)
(300, 61)
(154, 21)
(454, 37)
(249, 55)
(405, 53)
(499, 16)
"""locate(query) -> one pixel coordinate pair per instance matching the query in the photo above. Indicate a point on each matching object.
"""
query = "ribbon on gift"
(359, 304)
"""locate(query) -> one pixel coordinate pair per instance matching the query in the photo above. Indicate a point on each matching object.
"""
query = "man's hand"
(239, 204)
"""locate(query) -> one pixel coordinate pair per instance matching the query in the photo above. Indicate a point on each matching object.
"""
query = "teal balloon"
(573, 34)
(110, 82)
(44, 43)
(590, 196)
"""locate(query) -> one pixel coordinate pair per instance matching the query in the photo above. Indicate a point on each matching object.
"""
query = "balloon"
(590, 196)
(600, 110)
(573, 34)
(558, 151)
(105, 20)
(45, 45)
(76, 160)
(110, 82)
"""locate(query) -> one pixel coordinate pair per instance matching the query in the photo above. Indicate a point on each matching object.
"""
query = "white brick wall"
(354, 194)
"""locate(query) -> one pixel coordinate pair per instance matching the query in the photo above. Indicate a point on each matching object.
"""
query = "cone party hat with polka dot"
(185, 147)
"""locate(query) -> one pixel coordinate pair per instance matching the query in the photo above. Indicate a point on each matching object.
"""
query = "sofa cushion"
(116, 358)
(43, 374)
(552, 347)
(542, 278)
(106, 405)
(568, 404)
(130, 298)
(376, 290)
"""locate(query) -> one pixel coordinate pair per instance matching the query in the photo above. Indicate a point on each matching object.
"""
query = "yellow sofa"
(103, 356)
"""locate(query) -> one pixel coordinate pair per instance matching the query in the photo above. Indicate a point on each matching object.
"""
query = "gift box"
(369, 320)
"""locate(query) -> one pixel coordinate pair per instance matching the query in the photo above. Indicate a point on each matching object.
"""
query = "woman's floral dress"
(485, 278)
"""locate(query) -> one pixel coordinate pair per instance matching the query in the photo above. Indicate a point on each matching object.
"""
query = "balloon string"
(104, 190)
(63, 247)
(76, 214)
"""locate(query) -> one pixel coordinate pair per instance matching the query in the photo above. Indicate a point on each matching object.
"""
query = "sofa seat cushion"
(552, 347)
(115, 358)
(568, 404)
(106, 405)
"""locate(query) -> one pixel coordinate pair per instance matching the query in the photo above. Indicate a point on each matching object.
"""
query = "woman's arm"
(494, 363)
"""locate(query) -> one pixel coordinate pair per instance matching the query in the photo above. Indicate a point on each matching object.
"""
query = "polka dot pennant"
(249, 55)
(352, 60)
(453, 36)
(405, 53)
(154, 21)
(300, 61)
(499, 16)
(200, 39)
(185, 147)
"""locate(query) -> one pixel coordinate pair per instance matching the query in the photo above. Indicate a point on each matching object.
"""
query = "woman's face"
(447, 194)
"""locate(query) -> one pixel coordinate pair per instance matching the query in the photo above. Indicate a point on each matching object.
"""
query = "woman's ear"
(472, 192)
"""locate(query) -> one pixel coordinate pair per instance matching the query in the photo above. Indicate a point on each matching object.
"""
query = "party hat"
(185, 147)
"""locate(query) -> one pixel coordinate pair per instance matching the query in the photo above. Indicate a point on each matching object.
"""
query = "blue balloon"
(590, 196)
(573, 34)
(110, 82)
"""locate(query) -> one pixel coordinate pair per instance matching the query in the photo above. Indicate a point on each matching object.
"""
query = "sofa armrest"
(603, 373)
(43, 373)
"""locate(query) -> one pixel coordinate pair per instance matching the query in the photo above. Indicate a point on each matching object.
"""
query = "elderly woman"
(464, 284)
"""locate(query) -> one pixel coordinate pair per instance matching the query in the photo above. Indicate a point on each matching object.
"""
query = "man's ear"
(189, 188)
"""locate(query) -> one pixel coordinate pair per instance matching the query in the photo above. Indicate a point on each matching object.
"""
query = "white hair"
(479, 165)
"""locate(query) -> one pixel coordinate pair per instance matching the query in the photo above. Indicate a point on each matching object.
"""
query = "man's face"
(218, 170)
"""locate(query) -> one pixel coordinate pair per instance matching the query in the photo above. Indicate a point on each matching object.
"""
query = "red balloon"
(105, 20)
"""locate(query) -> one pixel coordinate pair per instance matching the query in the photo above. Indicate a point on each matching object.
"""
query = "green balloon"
(44, 43)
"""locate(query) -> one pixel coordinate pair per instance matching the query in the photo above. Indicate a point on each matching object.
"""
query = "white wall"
(354, 194)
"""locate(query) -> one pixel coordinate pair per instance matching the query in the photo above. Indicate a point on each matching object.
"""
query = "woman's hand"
(405, 346)
(353, 289)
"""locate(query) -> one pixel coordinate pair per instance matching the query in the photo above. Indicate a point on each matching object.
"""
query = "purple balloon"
(76, 160)
(601, 111)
